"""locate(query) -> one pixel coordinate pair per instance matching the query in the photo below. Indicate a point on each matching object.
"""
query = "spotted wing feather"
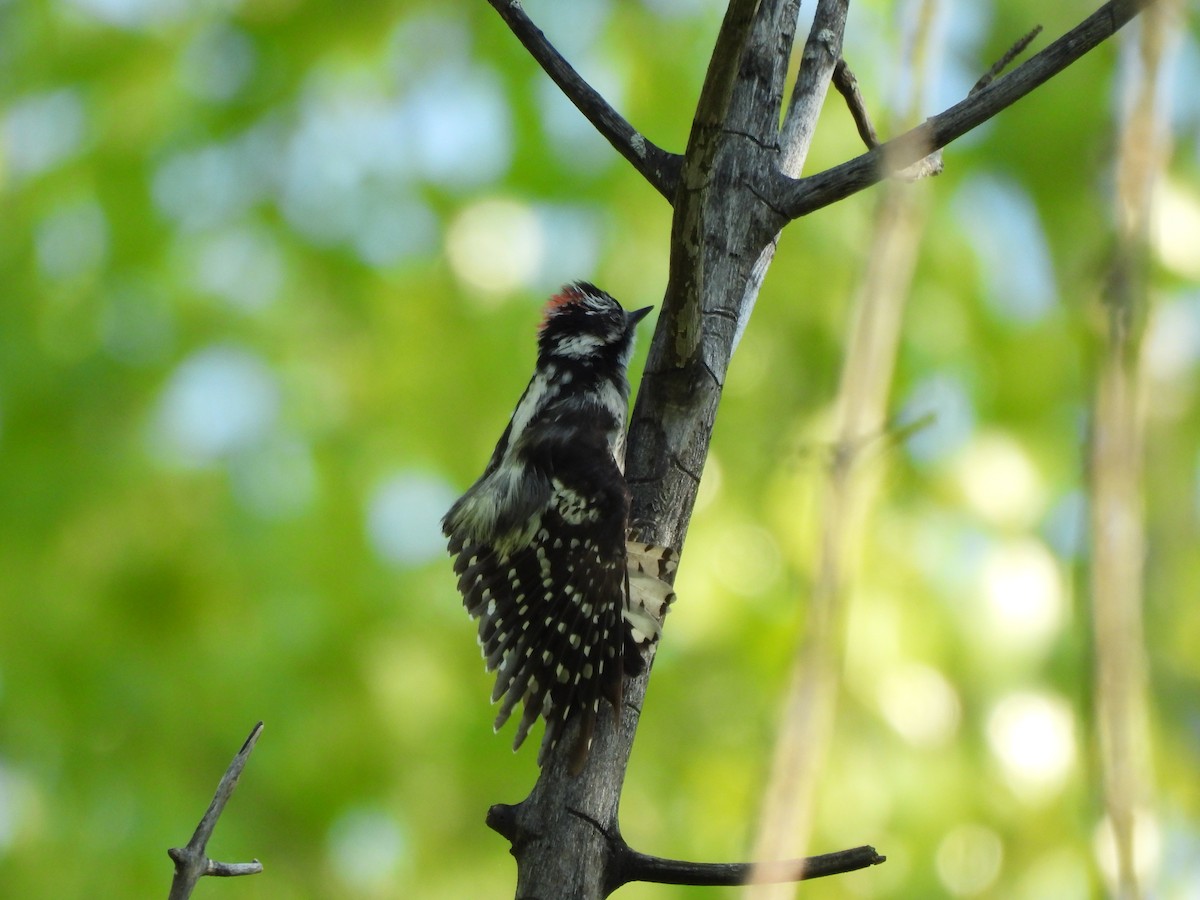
(650, 592)
(550, 607)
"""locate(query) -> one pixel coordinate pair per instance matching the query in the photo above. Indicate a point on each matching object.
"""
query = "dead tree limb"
(634, 866)
(192, 862)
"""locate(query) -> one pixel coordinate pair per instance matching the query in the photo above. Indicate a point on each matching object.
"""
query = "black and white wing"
(550, 602)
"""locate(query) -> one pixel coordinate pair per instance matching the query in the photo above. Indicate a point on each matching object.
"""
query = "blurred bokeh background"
(269, 277)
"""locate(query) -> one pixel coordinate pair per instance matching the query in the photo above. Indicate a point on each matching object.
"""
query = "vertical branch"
(764, 71)
(681, 310)
(1118, 532)
(848, 494)
(822, 50)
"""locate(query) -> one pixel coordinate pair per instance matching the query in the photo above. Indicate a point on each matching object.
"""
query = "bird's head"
(584, 325)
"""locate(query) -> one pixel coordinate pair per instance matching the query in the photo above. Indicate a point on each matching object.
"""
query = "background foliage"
(270, 277)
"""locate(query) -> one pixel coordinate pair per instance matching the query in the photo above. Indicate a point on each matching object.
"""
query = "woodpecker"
(561, 602)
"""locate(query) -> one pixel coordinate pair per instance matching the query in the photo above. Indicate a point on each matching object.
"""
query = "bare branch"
(635, 866)
(821, 53)
(847, 86)
(657, 166)
(191, 863)
(626, 865)
(799, 197)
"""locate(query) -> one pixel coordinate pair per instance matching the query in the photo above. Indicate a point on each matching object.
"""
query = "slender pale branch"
(657, 166)
(1003, 62)
(191, 862)
(849, 486)
(1117, 458)
(822, 50)
(799, 197)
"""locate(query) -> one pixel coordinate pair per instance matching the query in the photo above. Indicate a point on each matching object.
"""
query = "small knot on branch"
(502, 819)
(827, 40)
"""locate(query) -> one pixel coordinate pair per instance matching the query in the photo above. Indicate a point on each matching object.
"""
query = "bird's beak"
(632, 318)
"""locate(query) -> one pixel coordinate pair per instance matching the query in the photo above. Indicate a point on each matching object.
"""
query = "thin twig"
(799, 197)
(847, 86)
(635, 866)
(1002, 63)
(657, 166)
(191, 863)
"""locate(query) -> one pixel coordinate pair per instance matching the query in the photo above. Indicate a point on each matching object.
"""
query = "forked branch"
(799, 197)
(847, 86)
(192, 862)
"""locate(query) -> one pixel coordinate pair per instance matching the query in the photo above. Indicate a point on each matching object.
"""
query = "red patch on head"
(568, 295)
